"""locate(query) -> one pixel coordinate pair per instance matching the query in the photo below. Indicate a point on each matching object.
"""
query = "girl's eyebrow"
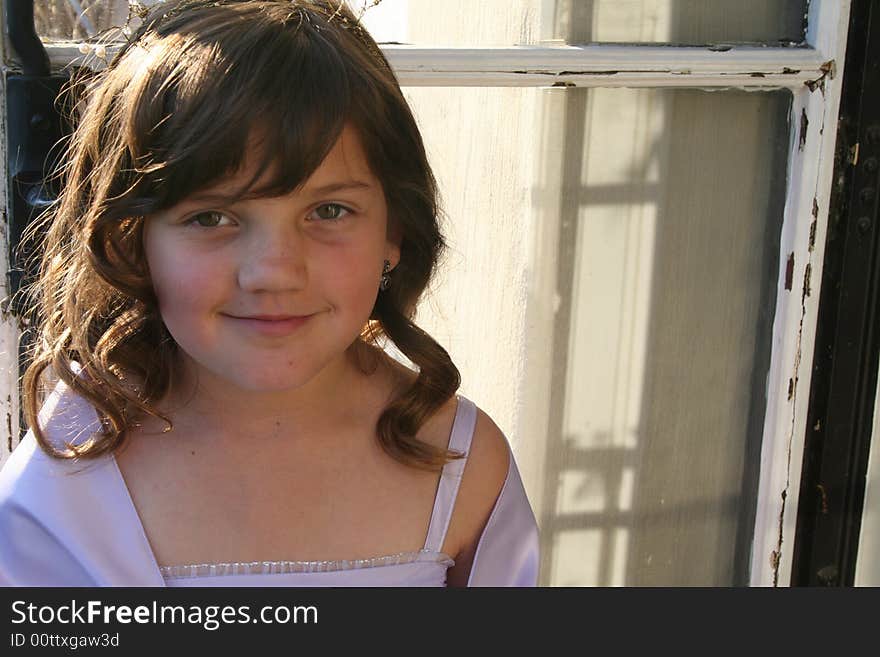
(341, 186)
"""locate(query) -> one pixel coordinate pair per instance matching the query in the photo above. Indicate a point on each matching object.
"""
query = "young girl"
(247, 217)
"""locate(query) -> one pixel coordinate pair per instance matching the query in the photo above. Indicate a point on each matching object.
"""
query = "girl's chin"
(263, 373)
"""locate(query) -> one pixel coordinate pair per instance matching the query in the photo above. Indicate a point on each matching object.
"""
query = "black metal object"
(34, 128)
(23, 37)
(845, 362)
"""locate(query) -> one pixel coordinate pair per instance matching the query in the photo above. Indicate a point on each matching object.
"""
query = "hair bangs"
(274, 97)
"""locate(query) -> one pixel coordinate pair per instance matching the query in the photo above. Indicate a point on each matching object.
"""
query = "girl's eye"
(331, 212)
(208, 219)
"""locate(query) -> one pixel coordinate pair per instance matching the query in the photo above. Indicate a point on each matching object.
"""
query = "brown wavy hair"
(172, 113)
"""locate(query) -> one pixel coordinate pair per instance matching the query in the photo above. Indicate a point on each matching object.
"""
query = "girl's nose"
(274, 261)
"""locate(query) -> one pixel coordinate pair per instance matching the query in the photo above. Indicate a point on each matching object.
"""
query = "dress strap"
(450, 478)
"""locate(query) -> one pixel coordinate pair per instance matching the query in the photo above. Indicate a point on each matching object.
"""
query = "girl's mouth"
(270, 325)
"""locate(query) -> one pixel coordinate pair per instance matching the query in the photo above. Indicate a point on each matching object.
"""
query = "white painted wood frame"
(811, 164)
(812, 72)
(582, 66)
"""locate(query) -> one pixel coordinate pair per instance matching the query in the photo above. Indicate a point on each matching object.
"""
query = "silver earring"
(385, 281)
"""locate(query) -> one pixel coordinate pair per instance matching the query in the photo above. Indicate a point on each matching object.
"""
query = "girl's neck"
(200, 403)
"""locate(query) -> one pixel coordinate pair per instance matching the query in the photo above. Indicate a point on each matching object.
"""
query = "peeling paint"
(559, 73)
(792, 397)
(776, 554)
(807, 274)
(587, 74)
(818, 83)
(805, 123)
(789, 271)
(592, 72)
(812, 243)
(829, 68)
(9, 424)
(609, 72)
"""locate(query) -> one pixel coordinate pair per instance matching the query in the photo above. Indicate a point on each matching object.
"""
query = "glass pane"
(510, 22)
(691, 22)
(79, 19)
(609, 298)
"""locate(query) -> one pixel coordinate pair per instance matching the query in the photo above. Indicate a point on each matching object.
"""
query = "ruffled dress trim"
(281, 567)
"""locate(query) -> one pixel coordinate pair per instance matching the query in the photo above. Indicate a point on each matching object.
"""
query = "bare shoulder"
(485, 472)
(486, 467)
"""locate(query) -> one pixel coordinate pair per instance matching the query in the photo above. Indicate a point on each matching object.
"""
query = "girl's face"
(266, 293)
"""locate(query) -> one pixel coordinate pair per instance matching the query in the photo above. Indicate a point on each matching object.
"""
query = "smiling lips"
(270, 325)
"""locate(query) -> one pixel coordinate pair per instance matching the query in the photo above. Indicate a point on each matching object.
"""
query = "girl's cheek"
(183, 278)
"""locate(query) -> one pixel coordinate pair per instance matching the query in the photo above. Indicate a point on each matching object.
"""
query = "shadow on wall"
(666, 267)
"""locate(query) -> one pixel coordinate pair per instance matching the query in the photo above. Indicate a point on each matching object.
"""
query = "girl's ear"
(394, 237)
(392, 253)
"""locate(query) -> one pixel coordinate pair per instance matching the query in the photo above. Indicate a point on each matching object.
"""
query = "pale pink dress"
(70, 524)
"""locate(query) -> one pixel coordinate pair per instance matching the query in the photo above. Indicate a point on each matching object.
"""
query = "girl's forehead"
(346, 161)
(346, 157)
